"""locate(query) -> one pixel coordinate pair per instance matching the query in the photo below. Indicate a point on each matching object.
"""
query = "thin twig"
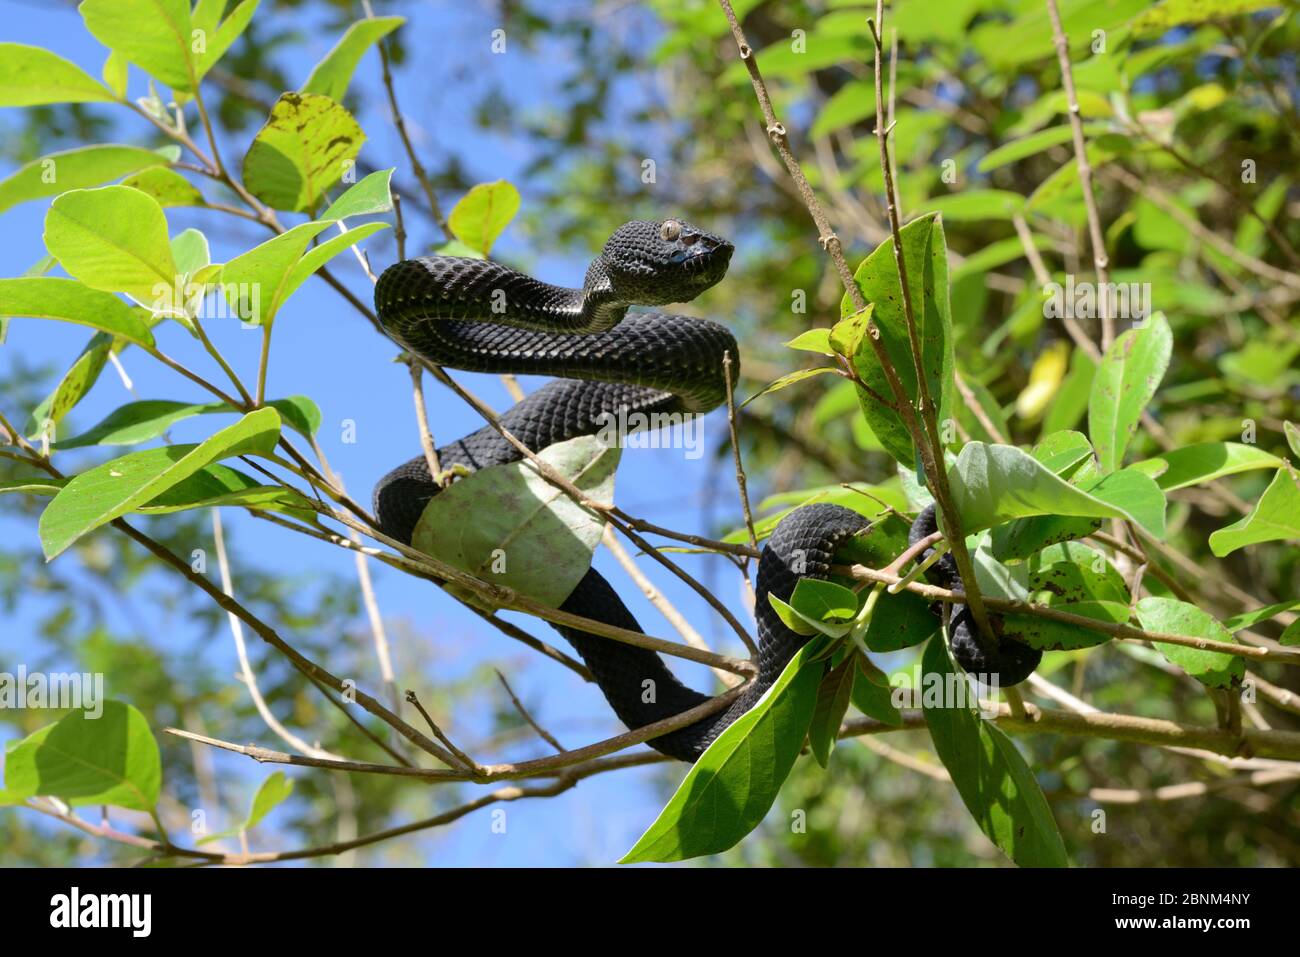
(245, 668)
(469, 763)
(925, 433)
(735, 452)
(1099, 257)
(399, 121)
(422, 420)
(523, 712)
(1114, 629)
(399, 228)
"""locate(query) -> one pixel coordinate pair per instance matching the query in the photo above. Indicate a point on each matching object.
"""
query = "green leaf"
(1047, 634)
(115, 488)
(846, 335)
(853, 102)
(138, 422)
(1062, 189)
(34, 486)
(190, 252)
(996, 254)
(258, 282)
(47, 297)
(155, 35)
(321, 253)
(272, 792)
(483, 214)
(333, 74)
(872, 699)
(1062, 451)
(1251, 618)
(166, 186)
(730, 789)
(75, 169)
(37, 269)
(1204, 462)
(863, 498)
(788, 380)
(299, 412)
(72, 388)
(372, 195)
(832, 701)
(989, 773)
(114, 239)
(116, 73)
(976, 204)
(1072, 571)
(110, 759)
(147, 419)
(225, 35)
(992, 484)
(814, 340)
(219, 485)
(1260, 364)
(1069, 455)
(1292, 437)
(1173, 13)
(1032, 145)
(509, 525)
(31, 76)
(1275, 516)
(1213, 669)
(1126, 380)
(1029, 36)
(899, 621)
(926, 257)
(823, 600)
(307, 145)
(880, 542)
(1134, 494)
(800, 624)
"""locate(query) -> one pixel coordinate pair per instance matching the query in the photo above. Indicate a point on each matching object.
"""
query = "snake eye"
(670, 230)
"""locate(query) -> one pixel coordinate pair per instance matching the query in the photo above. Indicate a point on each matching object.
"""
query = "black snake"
(481, 316)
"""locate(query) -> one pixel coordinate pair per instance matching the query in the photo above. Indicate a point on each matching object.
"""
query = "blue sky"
(325, 350)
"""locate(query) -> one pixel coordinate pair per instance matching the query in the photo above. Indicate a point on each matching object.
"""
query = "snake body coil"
(481, 316)
(1009, 661)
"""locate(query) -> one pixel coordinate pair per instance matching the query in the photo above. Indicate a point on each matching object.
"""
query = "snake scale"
(481, 316)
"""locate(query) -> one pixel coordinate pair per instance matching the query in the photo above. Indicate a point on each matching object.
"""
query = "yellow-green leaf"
(115, 488)
(333, 74)
(114, 239)
(483, 213)
(307, 145)
(30, 76)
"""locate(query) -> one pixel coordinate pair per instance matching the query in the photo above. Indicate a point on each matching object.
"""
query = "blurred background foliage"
(1181, 108)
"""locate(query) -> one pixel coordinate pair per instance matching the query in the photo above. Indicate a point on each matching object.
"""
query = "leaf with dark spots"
(304, 149)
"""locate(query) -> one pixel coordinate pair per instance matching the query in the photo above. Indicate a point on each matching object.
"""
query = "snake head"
(657, 262)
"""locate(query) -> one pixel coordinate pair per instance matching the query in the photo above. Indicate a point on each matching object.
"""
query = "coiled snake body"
(481, 316)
